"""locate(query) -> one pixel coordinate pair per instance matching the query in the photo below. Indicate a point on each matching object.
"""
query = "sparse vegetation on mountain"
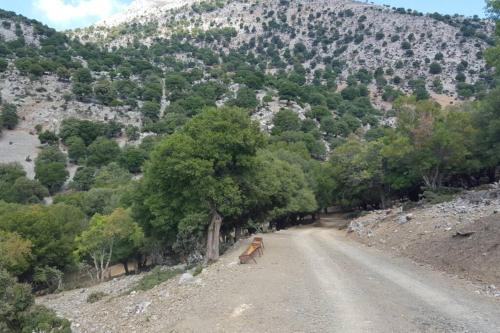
(187, 128)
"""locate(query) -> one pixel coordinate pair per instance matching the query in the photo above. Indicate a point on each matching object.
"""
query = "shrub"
(50, 168)
(48, 137)
(96, 296)
(198, 270)
(435, 68)
(48, 278)
(156, 277)
(439, 195)
(40, 319)
(9, 116)
(102, 151)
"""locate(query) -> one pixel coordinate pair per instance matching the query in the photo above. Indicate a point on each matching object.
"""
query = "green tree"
(18, 313)
(104, 234)
(102, 151)
(286, 120)
(132, 159)
(9, 172)
(151, 110)
(84, 178)
(50, 229)
(50, 168)
(48, 137)
(14, 299)
(105, 92)
(196, 170)
(77, 151)
(25, 190)
(10, 118)
(435, 68)
(245, 98)
(112, 176)
(15, 253)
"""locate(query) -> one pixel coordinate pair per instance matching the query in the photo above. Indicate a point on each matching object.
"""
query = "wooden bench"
(258, 240)
(256, 246)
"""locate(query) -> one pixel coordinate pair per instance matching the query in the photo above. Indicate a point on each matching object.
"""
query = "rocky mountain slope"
(460, 236)
(357, 35)
(337, 64)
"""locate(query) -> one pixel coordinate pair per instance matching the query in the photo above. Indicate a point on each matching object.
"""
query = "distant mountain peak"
(143, 8)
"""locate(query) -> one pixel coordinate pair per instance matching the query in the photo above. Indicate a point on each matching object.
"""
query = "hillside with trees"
(167, 138)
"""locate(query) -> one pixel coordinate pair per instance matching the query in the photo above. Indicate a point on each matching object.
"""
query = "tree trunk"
(383, 202)
(237, 233)
(213, 237)
(125, 267)
(433, 179)
(492, 172)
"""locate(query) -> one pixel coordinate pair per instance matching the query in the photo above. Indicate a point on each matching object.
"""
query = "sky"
(65, 14)
(68, 14)
(464, 7)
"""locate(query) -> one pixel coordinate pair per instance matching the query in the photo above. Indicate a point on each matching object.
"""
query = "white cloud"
(61, 11)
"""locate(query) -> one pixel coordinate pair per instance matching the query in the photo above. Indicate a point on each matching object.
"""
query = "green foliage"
(132, 132)
(156, 277)
(109, 237)
(15, 253)
(440, 195)
(50, 229)
(49, 278)
(96, 200)
(102, 151)
(96, 296)
(84, 178)
(9, 116)
(197, 168)
(112, 176)
(77, 151)
(24, 191)
(286, 120)
(3, 65)
(435, 68)
(105, 92)
(15, 298)
(133, 158)
(151, 110)
(50, 168)
(87, 130)
(40, 319)
(9, 172)
(48, 137)
(15, 187)
(245, 98)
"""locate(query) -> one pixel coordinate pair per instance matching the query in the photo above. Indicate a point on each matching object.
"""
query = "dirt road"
(309, 280)
(315, 280)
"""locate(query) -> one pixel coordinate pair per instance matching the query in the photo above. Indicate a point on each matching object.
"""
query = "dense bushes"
(18, 312)
(16, 188)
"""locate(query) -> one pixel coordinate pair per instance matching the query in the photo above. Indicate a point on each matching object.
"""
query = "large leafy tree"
(109, 237)
(198, 170)
(50, 168)
(9, 116)
(102, 151)
(50, 229)
(15, 253)
(493, 54)
(18, 312)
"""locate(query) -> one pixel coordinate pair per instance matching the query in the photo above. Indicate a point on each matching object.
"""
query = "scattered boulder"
(405, 218)
(186, 278)
(141, 307)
